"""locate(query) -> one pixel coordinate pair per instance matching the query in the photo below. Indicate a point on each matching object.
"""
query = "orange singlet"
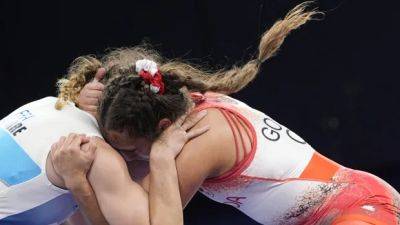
(282, 180)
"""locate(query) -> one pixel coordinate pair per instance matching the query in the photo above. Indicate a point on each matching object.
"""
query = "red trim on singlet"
(319, 168)
(248, 158)
(229, 119)
(236, 122)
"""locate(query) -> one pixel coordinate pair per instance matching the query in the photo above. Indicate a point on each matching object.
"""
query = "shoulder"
(215, 147)
(119, 197)
(219, 128)
(108, 168)
(106, 156)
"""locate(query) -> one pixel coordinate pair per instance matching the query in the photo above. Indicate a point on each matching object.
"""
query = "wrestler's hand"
(172, 140)
(89, 97)
(72, 157)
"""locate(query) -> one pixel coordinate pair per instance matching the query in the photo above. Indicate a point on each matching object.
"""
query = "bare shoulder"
(219, 129)
(215, 146)
(107, 164)
(106, 154)
(122, 200)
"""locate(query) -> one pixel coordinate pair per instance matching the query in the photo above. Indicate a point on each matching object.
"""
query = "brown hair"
(128, 104)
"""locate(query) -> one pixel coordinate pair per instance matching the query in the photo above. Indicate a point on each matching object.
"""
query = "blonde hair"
(121, 61)
(81, 71)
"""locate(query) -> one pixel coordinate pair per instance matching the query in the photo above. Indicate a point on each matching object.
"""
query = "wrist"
(161, 161)
(161, 152)
(75, 183)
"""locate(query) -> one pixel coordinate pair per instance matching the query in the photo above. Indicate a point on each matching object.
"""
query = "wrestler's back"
(26, 136)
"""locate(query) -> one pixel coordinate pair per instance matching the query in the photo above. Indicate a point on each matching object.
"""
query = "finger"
(70, 139)
(193, 119)
(59, 143)
(181, 120)
(89, 101)
(52, 156)
(54, 147)
(95, 85)
(77, 141)
(61, 140)
(92, 93)
(197, 132)
(101, 72)
(85, 139)
(91, 150)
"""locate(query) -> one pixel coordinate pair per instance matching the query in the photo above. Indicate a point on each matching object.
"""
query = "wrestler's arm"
(70, 163)
(121, 200)
(85, 196)
(164, 197)
(110, 179)
(201, 158)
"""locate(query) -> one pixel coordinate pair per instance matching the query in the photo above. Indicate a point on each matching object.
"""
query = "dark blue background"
(334, 82)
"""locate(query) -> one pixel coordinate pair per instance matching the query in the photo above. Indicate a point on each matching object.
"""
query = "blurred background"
(334, 82)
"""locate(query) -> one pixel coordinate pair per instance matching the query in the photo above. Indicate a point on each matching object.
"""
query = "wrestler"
(32, 192)
(246, 159)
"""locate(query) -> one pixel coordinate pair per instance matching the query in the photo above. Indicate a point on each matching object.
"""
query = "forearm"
(164, 197)
(86, 198)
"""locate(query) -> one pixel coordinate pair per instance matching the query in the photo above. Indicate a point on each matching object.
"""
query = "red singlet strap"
(237, 123)
(231, 123)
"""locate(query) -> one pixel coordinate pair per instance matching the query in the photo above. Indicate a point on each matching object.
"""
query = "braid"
(236, 78)
(129, 104)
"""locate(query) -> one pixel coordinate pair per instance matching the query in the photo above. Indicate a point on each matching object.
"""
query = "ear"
(164, 124)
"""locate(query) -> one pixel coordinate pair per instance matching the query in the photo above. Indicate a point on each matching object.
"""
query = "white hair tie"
(147, 69)
(146, 65)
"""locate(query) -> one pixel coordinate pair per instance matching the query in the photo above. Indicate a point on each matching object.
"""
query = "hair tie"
(148, 71)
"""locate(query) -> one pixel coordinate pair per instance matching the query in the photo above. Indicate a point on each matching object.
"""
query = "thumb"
(100, 74)
(91, 150)
(92, 147)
